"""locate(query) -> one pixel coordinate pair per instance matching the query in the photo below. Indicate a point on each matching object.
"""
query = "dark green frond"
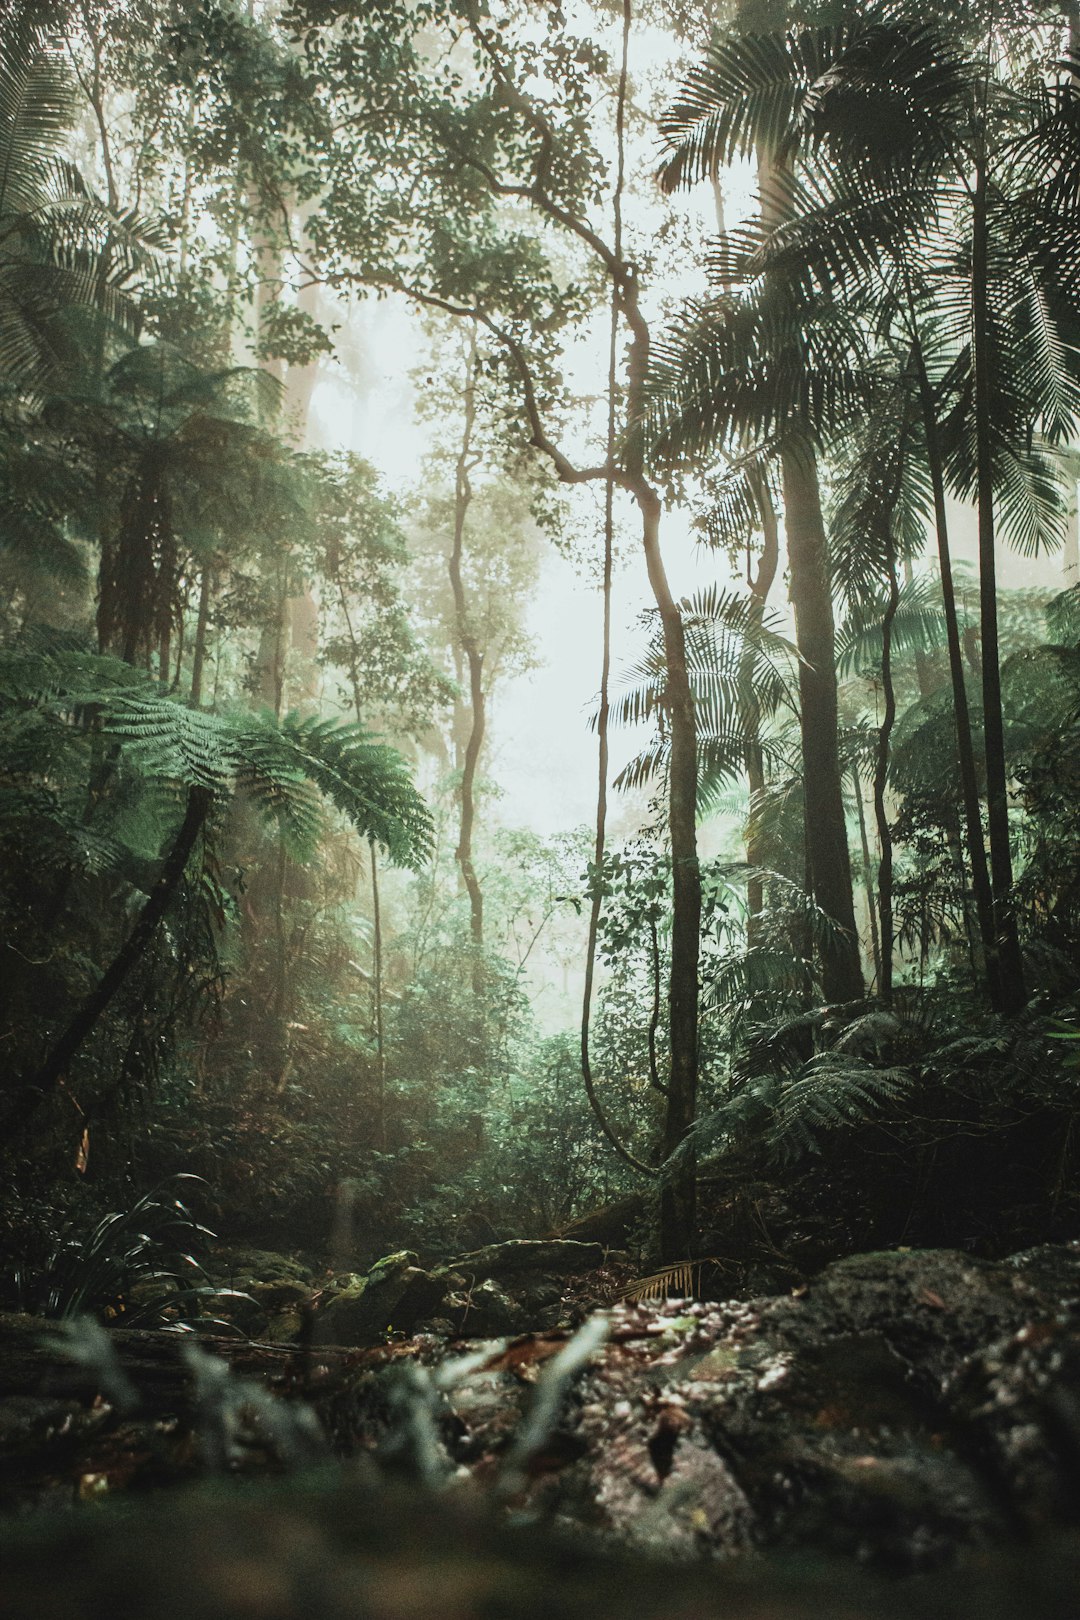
(834, 1090)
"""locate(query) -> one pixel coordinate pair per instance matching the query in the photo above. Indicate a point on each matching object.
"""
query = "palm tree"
(754, 386)
(54, 232)
(754, 371)
(942, 219)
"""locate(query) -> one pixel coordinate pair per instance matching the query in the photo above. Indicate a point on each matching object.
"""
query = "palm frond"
(918, 626)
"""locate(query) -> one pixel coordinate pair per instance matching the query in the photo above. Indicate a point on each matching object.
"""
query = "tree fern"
(284, 766)
(833, 1091)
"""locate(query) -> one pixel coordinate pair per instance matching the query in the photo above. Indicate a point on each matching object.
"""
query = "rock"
(488, 1312)
(902, 1412)
(341, 1319)
(609, 1226)
(288, 1328)
(898, 1410)
(284, 1294)
(240, 1267)
(560, 1255)
(395, 1295)
(539, 1295)
(390, 1264)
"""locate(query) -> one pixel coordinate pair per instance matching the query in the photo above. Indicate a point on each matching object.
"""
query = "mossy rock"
(395, 1295)
(241, 1267)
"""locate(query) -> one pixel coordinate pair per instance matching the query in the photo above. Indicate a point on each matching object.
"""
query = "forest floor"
(901, 1435)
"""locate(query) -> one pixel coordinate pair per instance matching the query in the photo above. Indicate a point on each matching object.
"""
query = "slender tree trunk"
(760, 586)
(376, 902)
(280, 1003)
(202, 627)
(602, 728)
(377, 985)
(303, 609)
(678, 1190)
(270, 659)
(868, 874)
(54, 1068)
(1012, 989)
(826, 827)
(300, 381)
(654, 1012)
(881, 774)
(965, 748)
(474, 660)
(266, 259)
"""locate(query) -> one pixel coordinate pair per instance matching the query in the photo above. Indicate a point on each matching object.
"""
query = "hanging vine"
(605, 663)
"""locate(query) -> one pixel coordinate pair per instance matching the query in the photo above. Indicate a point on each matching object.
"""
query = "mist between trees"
(324, 328)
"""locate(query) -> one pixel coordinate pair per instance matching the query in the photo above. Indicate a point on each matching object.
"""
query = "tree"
(712, 120)
(62, 252)
(205, 760)
(178, 472)
(881, 233)
(460, 165)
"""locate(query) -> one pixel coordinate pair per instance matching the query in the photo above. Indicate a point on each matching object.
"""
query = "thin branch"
(567, 472)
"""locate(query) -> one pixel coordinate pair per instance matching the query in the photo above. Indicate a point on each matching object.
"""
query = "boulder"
(488, 1312)
(520, 1255)
(395, 1295)
(240, 1267)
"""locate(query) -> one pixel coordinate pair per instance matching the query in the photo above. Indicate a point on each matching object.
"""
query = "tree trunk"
(881, 773)
(828, 856)
(826, 828)
(760, 586)
(474, 659)
(602, 727)
(678, 1190)
(377, 986)
(965, 748)
(1011, 966)
(54, 1068)
(868, 875)
(280, 1001)
(202, 626)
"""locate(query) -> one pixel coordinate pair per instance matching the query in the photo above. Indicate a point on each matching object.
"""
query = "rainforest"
(539, 785)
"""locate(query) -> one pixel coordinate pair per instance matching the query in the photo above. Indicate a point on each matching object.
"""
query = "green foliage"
(281, 765)
(834, 1090)
(61, 250)
(740, 668)
(135, 1265)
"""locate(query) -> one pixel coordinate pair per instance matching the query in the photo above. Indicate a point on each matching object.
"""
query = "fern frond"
(835, 1090)
(679, 1281)
(285, 768)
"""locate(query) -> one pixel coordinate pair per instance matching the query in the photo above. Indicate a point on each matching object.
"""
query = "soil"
(901, 1435)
